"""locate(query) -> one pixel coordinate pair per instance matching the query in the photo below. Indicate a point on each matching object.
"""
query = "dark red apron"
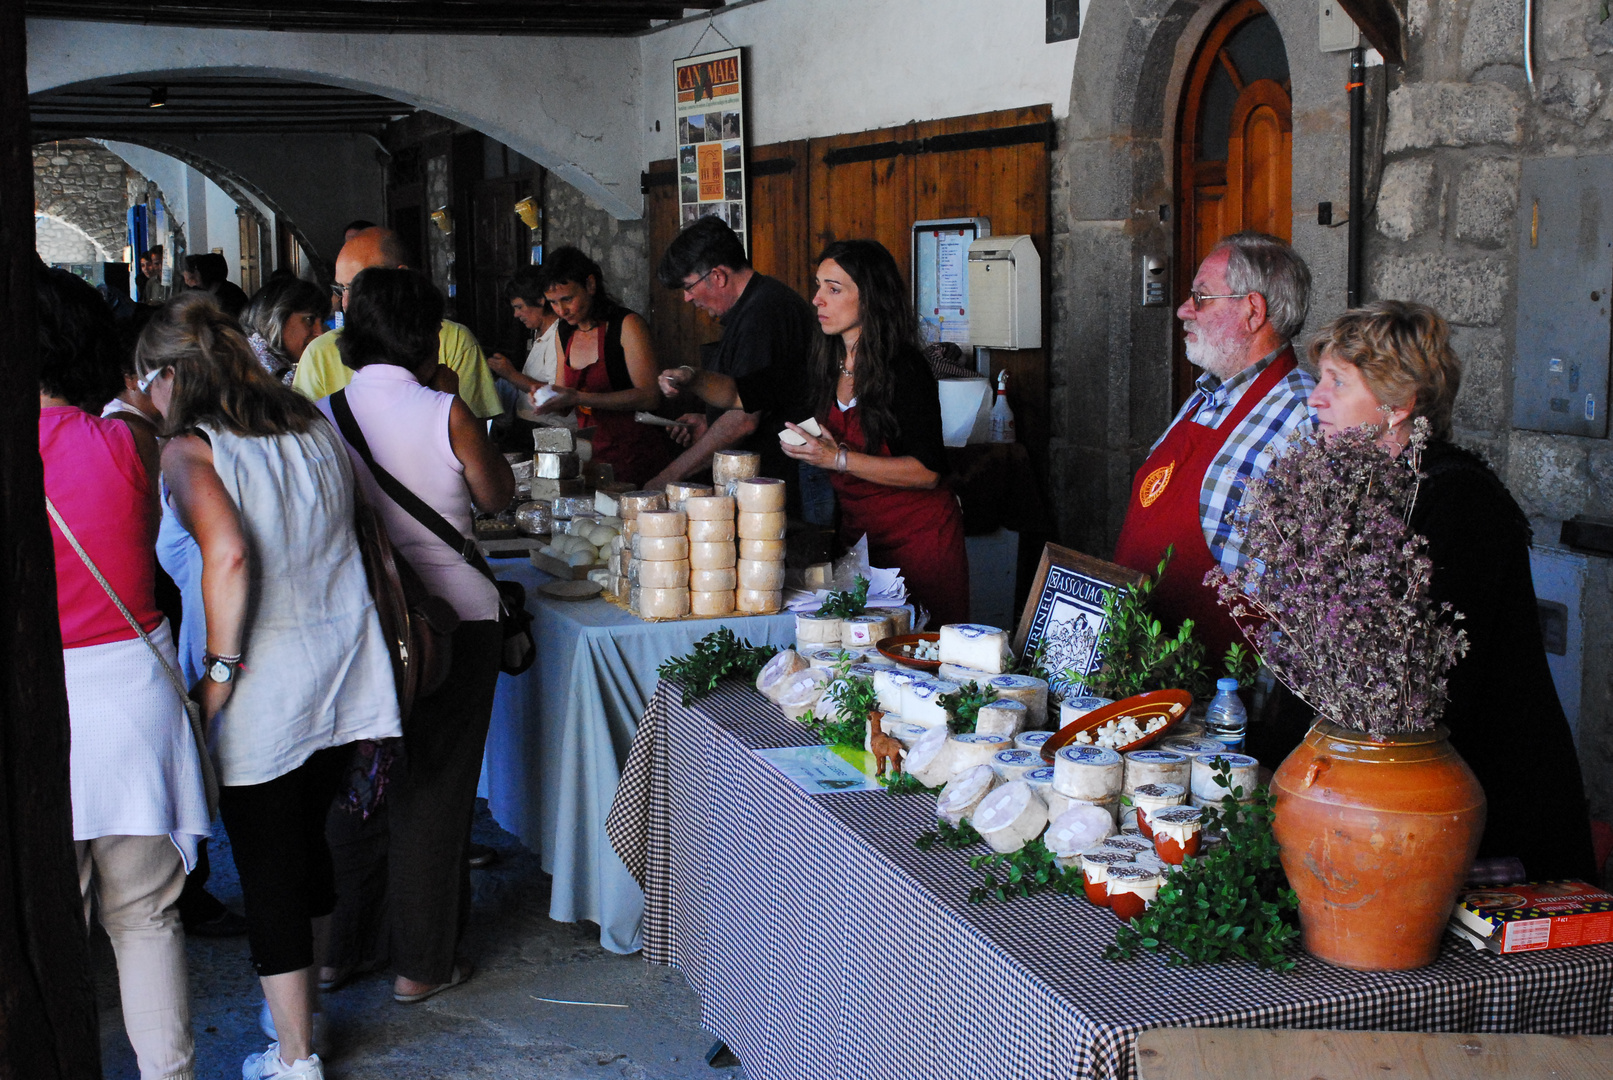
(635, 451)
(916, 531)
(1164, 510)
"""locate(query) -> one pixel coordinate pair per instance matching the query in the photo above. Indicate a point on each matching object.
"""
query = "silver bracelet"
(840, 460)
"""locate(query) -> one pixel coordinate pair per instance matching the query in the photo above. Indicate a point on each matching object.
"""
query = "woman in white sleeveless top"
(433, 445)
(296, 666)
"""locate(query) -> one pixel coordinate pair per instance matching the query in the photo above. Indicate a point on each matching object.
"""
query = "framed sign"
(1064, 614)
(710, 107)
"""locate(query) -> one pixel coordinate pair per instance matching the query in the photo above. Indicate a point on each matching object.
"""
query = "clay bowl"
(1172, 705)
(898, 649)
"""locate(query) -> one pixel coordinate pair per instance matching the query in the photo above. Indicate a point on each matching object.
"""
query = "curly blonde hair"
(1403, 352)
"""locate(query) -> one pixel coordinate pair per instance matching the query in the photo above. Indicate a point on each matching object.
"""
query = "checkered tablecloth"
(824, 944)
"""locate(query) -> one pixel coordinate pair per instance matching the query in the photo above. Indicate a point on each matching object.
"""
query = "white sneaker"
(268, 1064)
(321, 1027)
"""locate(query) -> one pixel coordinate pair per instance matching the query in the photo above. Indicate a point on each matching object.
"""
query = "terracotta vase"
(1376, 838)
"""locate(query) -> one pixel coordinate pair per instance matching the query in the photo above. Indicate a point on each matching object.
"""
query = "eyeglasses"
(144, 385)
(1197, 298)
(339, 289)
(690, 286)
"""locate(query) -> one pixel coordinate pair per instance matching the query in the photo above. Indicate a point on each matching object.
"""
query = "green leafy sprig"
(963, 706)
(854, 698)
(1033, 662)
(906, 784)
(847, 603)
(957, 836)
(1230, 903)
(717, 655)
(1030, 870)
(1138, 655)
(1241, 663)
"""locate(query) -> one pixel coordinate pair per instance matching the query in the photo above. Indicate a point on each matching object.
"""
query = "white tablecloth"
(561, 732)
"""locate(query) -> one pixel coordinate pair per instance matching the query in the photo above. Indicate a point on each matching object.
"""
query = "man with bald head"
(321, 372)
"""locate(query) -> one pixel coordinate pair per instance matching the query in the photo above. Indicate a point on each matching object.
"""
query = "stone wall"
(621, 248)
(85, 185)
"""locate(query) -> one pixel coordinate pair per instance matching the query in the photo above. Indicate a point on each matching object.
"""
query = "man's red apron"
(1164, 510)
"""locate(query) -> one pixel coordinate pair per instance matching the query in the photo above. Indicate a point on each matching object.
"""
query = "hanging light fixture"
(159, 97)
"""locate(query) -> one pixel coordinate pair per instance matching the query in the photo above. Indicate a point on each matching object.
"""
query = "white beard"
(1216, 357)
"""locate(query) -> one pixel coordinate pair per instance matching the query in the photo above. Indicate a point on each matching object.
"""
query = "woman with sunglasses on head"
(296, 667)
(880, 410)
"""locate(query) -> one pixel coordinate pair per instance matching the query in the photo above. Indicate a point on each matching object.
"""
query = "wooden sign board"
(1064, 614)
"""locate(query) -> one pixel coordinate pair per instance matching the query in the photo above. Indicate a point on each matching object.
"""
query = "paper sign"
(710, 107)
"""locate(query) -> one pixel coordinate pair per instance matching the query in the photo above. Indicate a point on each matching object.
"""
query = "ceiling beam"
(383, 16)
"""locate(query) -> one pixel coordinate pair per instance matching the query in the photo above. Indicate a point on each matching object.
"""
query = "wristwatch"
(221, 669)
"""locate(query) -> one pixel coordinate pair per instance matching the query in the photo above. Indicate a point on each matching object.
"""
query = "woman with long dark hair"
(605, 369)
(880, 412)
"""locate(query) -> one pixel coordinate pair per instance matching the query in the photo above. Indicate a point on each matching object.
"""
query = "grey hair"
(1260, 263)
(274, 305)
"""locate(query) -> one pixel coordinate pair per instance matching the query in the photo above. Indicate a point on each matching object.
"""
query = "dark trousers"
(277, 830)
(402, 882)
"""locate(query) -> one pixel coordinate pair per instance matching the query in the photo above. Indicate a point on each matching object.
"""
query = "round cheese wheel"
(1088, 772)
(702, 531)
(761, 550)
(711, 603)
(677, 493)
(767, 576)
(930, 759)
(663, 603)
(712, 555)
(864, 631)
(901, 620)
(770, 680)
(730, 465)
(759, 601)
(662, 523)
(963, 793)
(713, 579)
(765, 526)
(636, 502)
(1010, 817)
(660, 548)
(672, 574)
(759, 495)
(817, 629)
(709, 508)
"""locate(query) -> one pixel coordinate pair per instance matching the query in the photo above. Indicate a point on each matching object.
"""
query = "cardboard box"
(1537, 915)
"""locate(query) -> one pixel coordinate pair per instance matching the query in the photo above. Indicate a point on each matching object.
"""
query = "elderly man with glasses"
(1247, 303)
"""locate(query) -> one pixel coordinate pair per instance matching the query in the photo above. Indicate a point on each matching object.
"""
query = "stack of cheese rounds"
(712, 579)
(760, 566)
(728, 467)
(660, 566)
(678, 492)
(627, 507)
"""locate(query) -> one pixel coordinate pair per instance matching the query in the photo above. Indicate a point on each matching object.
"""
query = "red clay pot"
(1376, 838)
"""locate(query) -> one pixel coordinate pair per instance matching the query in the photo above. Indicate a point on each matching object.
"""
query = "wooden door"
(1234, 148)
(501, 246)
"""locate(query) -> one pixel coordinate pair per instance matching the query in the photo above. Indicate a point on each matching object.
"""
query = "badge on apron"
(1154, 484)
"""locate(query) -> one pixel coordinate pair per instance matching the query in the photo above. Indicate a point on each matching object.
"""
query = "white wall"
(825, 67)
(170, 175)
(59, 241)
(224, 229)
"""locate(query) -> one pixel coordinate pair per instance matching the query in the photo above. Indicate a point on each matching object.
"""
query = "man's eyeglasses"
(1197, 298)
(689, 286)
(144, 385)
(340, 290)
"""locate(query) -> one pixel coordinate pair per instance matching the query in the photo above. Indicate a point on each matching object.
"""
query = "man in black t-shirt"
(755, 377)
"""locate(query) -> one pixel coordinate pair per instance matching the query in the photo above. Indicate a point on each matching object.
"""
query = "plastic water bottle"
(1226, 719)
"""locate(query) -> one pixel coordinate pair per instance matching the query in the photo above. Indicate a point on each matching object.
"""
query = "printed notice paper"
(824, 770)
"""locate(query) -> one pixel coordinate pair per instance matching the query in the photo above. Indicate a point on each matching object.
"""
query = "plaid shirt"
(1249, 449)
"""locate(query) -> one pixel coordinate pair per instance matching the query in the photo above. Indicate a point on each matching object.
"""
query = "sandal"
(460, 974)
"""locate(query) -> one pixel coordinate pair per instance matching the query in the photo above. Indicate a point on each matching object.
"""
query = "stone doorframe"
(1114, 169)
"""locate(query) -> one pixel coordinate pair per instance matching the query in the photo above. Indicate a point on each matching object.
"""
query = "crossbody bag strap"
(411, 504)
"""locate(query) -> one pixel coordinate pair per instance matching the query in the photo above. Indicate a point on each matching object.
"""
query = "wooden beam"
(48, 1027)
(383, 16)
(1381, 22)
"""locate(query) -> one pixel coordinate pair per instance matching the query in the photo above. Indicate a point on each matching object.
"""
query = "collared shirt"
(1249, 449)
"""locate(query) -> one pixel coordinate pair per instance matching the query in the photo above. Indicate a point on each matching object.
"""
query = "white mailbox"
(1005, 293)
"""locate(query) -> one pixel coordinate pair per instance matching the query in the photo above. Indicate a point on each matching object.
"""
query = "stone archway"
(87, 187)
(61, 242)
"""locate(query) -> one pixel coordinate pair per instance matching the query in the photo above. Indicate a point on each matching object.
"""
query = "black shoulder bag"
(520, 650)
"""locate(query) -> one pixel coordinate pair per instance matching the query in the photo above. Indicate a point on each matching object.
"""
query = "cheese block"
(660, 548)
(761, 526)
(673, 574)
(817, 629)
(1074, 708)
(663, 603)
(903, 732)
(607, 504)
(977, 749)
(1032, 740)
(759, 601)
(707, 604)
(542, 488)
(819, 576)
(963, 676)
(864, 631)
(711, 579)
(1014, 764)
(767, 576)
(930, 759)
(709, 507)
(634, 503)
(963, 792)
(1010, 817)
(761, 550)
(827, 659)
(1006, 718)
(1157, 767)
(1029, 691)
(552, 466)
(1245, 775)
(730, 465)
(1088, 772)
(1080, 829)
(554, 440)
(888, 685)
(662, 523)
(567, 507)
(705, 532)
(901, 620)
(678, 492)
(770, 679)
(712, 555)
(759, 495)
(921, 702)
(801, 692)
(809, 425)
(972, 645)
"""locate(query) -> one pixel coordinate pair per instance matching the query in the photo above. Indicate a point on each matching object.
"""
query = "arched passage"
(61, 243)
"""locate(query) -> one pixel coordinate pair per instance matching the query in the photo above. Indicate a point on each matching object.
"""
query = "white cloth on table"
(316, 672)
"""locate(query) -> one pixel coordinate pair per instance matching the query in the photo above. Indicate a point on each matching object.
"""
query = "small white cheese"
(963, 793)
(1088, 772)
(1010, 817)
(972, 645)
(770, 680)
(930, 759)
(888, 684)
(1080, 829)
(1006, 718)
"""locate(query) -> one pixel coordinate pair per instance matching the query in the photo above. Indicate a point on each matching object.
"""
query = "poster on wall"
(710, 108)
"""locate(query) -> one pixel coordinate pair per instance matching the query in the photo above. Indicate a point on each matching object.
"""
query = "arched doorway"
(1234, 147)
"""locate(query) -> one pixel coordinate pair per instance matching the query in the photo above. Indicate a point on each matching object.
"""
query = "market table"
(824, 944)
(561, 731)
